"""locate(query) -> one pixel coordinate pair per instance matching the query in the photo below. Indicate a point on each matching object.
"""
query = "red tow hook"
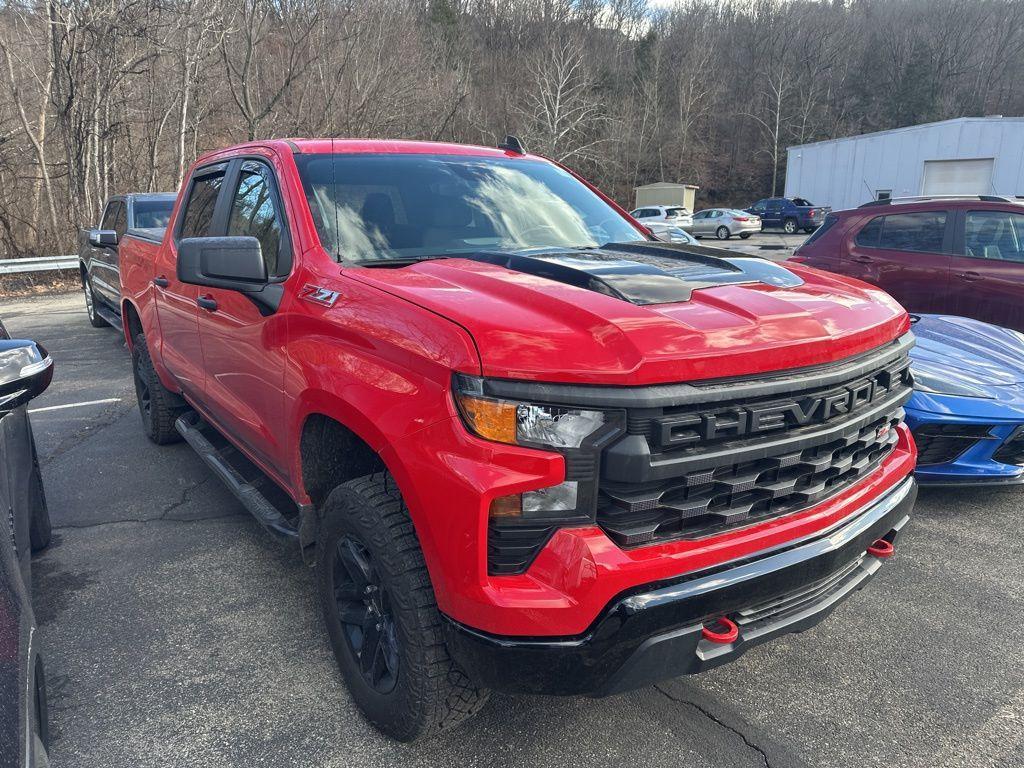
(722, 631)
(882, 549)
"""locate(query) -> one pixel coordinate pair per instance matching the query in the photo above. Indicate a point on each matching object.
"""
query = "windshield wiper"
(405, 260)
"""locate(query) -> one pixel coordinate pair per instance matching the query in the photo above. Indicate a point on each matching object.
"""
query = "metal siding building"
(968, 155)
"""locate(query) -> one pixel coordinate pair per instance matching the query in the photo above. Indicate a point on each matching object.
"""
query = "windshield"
(370, 207)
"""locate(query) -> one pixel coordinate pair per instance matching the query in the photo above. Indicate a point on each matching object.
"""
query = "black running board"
(109, 315)
(266, 513)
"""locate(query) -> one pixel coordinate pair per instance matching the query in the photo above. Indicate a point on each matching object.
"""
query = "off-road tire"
(158, 406)
(90, 304)
(790, 226)
(723, 233)
(431, 693)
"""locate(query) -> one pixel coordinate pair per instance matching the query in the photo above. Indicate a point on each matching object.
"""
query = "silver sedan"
(723, 223)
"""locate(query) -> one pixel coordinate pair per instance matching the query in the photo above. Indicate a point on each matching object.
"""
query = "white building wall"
(847, 172)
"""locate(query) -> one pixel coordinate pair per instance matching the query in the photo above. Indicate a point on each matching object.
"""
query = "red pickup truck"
(526, 447)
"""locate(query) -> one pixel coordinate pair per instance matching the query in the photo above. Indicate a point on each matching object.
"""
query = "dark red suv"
(959, 256)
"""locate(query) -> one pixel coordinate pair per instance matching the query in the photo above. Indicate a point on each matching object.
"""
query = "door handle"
(208, 303)
(970, 276)
(863, 259)
(161, 282)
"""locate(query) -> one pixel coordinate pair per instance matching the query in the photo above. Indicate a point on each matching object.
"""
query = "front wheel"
(790, 227)
(90, 303)
(382, 616)
(722, 233)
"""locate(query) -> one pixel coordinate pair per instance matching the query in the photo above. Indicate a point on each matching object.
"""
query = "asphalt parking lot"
(177, 633)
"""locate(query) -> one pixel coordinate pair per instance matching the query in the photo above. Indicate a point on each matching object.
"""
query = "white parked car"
(723, 223)
(665, 214)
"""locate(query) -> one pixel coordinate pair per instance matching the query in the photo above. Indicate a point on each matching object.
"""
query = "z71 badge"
(319, 295)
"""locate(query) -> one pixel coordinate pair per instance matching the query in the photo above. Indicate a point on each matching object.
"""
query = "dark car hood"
(968, 352)
(644, 314)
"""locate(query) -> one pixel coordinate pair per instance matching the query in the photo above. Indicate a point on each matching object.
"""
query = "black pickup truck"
(142, 214)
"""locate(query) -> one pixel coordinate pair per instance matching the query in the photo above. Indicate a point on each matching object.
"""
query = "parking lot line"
(75, 405)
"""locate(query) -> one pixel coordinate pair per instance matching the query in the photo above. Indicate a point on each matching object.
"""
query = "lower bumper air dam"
(657, 631)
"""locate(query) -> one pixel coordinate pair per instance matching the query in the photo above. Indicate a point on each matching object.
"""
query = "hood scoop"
(643, 273)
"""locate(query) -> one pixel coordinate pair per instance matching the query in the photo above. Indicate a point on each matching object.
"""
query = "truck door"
(987, 271)
(177, 310)
(102, 265)
(907, 256)
(243, 343)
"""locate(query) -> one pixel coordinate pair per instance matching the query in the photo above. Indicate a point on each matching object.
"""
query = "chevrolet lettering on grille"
(690, 428)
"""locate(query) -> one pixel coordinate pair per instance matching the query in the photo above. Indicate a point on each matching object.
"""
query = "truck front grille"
(751, 450)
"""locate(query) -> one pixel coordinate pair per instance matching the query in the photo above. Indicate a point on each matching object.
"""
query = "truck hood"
(644, 314)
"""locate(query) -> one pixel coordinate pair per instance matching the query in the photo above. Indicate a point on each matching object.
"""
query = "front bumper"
(976, 462)
(655, 632)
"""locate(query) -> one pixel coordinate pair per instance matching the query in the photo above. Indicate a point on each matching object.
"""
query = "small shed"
(665, 193)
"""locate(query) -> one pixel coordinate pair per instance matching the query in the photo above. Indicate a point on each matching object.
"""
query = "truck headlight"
(522, 423)
(579, 434)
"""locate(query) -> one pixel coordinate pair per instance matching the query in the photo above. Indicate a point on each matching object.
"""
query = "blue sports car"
(967, 410)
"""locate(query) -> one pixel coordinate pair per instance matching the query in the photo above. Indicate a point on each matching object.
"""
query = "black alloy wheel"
(364, 610)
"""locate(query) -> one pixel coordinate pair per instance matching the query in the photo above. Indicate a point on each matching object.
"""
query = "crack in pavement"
(101, 523)
(717, 721)
(185, 498)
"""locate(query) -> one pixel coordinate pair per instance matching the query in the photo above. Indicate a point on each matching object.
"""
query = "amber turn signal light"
(491, 419)
(505, 507)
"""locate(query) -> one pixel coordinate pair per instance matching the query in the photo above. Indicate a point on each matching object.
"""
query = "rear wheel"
(382, 617)
(90, 303)
(744, 235)
(722, 233)
(790, 227)
(809, 230)
(157, 405)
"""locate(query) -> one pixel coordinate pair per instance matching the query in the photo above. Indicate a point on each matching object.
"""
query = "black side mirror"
(25, 372)
(235, 263)
(103, 238)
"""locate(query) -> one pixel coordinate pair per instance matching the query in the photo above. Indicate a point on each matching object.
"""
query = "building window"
(883, 194)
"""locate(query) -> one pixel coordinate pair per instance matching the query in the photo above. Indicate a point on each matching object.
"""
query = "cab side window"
(110, 214)
(197, 219)
(254, 212)
(121, 221)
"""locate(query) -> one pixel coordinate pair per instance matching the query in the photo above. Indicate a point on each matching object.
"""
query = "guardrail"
(38, 264)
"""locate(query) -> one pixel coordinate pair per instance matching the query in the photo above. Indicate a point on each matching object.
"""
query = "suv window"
(994, 235)
(254, 212)
(826, 225)
(921, 231)
(202, 199)
(110, 214)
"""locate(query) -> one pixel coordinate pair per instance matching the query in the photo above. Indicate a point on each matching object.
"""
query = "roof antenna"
(512, 144)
